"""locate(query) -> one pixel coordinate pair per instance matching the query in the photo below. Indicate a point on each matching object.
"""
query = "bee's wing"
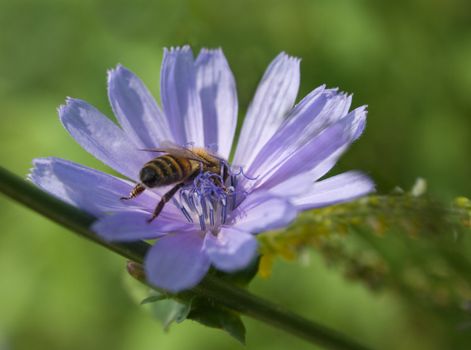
(177, 151)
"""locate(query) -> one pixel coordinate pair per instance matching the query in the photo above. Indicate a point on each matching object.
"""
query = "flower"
(281, 154)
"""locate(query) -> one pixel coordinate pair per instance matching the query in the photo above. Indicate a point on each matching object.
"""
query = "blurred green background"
(410, 61)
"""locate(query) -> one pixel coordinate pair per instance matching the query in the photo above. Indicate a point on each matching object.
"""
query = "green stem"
(219, 291)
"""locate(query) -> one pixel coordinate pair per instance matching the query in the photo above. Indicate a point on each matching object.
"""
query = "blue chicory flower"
(282, 152)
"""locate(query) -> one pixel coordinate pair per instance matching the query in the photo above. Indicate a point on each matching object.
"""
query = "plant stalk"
(221, 292)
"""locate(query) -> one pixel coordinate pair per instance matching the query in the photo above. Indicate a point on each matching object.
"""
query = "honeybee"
(179, 166)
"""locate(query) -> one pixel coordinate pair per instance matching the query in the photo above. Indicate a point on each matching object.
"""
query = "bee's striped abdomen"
(165, 170)
(173, 168)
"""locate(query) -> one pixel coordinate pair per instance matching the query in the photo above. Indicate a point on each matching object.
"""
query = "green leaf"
(168, 311)
(234, 326)
(158, 304)
(154, 298)
(218, 317)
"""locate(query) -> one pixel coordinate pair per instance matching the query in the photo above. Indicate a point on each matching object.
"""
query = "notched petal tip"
(42, 167)
(112, 72)
(274, 98)
(207, 50)
(209, 56)
(285, 62)
(178, 49)
(287, 57)
(116, 75)
(69, 112)
(72, 104)
(359, 122)
(63, 107)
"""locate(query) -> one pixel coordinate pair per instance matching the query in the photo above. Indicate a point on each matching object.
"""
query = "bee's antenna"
(157, 150)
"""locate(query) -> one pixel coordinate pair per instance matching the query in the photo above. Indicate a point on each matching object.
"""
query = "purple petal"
(317, 111)
(274, 97)
(262, 212)
(332, 141)
(177, 262)
(324, 167)
(336, 189)
(136, 109)
(180, 99)
(216, 87)
(102, 138)
(293, 186)
(231, 249)
(88, 189)
(134, 225)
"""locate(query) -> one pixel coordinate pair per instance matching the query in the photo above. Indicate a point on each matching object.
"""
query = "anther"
(202, 223)
(197, 203)
(189, 200)
(204, 207)
(211, 217)
(187, 215)
(223, 212)
(233, 181)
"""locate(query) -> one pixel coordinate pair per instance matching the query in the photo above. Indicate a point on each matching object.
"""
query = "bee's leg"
(165, 198)
(224, 171)
(136, 191)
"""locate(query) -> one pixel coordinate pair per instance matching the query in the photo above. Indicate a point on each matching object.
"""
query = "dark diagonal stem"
(211, 287)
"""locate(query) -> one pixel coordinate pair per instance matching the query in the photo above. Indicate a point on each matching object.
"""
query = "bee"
(176, 166)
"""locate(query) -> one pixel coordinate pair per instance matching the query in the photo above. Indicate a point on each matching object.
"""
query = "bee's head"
(149, 177)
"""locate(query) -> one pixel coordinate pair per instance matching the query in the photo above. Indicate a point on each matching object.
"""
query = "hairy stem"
(219, 291)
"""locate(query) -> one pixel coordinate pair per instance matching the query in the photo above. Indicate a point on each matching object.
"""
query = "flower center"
(209, 200)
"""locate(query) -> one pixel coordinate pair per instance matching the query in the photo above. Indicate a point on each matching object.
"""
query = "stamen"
(182, 208)
(187, 215)
(184, 195)
(211, 212)
(223, 211)
(234, 181)
(204, 207)
(211, 217)
(191, 201)
(197, 202)
(211, 197)
(202, 223)
(232, 194)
